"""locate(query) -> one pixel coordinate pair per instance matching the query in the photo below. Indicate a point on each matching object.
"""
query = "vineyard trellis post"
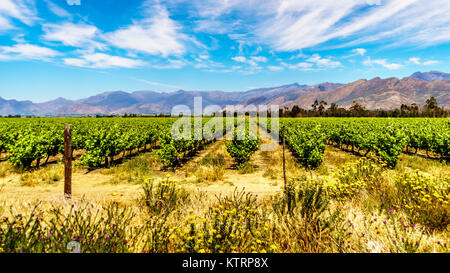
(284, 159)
(67, 161)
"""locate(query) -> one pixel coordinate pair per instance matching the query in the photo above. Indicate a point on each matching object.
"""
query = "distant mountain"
(431, 76)
(376, 93)
(381, 93)
(19, 107)
(117, 102)
(51, 106)
(153, 102)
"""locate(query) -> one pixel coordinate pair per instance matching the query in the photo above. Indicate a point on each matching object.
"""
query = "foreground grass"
(359, 207)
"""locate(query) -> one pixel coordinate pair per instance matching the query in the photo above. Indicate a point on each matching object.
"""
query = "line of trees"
(321, 109)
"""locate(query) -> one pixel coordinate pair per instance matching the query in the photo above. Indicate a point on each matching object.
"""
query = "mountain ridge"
(375, 93)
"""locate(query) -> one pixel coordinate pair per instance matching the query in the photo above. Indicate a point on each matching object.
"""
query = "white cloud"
(22, 10)
(275, 68)
(253, 60)
(359, 51)
(4, 23)
(157, 35)
(323, 62)
(171, 64)
(159, 84)
(73, 2)
(382, 62)
(314, 62)
(260, 59)
(289, 25)
(27, 52)
(57, 10)
(304, 66)
(100, 60)
(431, 62)
(298, 56)
(204, 61)
(76, 35)
(76, 62)
(240, 59)
(415, 60)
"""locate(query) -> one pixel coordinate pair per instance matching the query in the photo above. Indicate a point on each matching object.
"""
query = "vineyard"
(101, 141)
(353, 185)
(383, 138)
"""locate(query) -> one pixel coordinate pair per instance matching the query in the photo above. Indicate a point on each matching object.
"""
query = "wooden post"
(284, 158)
(68, 161)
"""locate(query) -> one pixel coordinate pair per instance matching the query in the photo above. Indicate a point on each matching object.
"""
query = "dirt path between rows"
(265, 179)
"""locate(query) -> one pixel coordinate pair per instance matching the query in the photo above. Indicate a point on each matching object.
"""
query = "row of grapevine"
(108, 139)
(307, 140)
(27, 140)
(245, 142)
(173, 150)
(385, 138)
(24, 141)
(388, 138)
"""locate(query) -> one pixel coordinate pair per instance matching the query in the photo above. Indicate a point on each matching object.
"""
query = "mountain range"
(376, 93)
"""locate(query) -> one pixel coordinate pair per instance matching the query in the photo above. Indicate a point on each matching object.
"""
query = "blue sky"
(79, 48)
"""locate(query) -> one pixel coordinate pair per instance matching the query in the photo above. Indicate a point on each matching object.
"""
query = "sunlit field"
(352, 185)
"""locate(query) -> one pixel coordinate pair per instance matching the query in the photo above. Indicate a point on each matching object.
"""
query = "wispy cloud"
(417, 61)
(57, 10)
(157, 35)
(289, 25)
(303, 66)
(252, 60)
(101, 60)
(383, 62)
(359, 51)
(159, 84)
(70, 34)
(22, 10)
(275, 68)
(27, 52)
(431, 62)
(171, 64)
(324, 62)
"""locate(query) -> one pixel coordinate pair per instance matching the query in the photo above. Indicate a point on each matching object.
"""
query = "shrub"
(425, 198)
(106, 229)
(163, 197)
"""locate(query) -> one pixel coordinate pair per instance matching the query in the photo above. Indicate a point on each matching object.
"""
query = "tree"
(432, 108)
(431, 104)
(295, 111)
(322, 106)
(414, 110)
(314, 106)
(333, 109)
(357, 109)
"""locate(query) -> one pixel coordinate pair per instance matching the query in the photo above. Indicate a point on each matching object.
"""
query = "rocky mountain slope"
(376, 93)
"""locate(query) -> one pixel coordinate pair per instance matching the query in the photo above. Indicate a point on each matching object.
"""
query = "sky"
(79, 48)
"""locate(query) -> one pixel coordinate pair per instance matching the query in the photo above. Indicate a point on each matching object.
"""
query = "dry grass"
(49, 175)
(5, 169)
(415, 162)
(361, 226)
(134, 170)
